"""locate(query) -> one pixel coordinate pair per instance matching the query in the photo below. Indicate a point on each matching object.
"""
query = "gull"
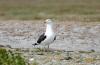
(48, 37)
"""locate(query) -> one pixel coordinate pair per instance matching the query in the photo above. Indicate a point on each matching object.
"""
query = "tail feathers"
(35, 44)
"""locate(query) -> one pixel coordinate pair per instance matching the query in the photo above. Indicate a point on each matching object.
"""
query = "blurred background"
(77, 26)
(74, 10)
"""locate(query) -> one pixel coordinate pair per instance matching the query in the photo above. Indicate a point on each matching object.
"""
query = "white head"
(49, 21)
(49, 26)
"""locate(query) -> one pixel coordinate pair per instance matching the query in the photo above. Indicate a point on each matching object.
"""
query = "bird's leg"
(48, 48)
(44, 49)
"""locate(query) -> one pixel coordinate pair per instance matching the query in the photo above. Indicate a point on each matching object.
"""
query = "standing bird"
(48, 37)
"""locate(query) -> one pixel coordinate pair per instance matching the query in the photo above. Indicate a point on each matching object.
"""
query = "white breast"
(50, 35)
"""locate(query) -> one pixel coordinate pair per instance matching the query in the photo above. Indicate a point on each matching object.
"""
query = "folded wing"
(41, 38)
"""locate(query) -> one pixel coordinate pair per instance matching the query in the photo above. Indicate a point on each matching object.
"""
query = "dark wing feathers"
(54, 38)
(41, 38)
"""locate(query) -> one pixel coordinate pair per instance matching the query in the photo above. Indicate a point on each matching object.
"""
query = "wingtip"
(34, 44)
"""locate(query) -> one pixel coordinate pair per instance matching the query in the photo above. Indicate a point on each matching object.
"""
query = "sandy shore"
(71, 35)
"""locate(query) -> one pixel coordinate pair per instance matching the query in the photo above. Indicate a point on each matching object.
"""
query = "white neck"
(49, 29)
